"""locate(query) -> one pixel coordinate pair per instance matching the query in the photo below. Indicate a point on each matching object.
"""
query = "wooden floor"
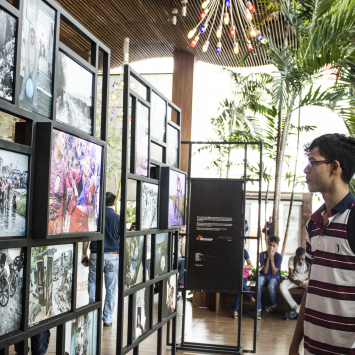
(204, 326)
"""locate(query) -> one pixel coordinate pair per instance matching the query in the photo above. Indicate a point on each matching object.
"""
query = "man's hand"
(270, 253)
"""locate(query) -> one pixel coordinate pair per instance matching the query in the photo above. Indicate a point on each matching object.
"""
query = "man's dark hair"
(274, 238)
(3, 258)
(110, 199)
(336, 147)
(300, 251)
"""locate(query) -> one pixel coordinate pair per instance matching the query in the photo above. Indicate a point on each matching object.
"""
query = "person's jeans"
(181, 268)
(271, 285)
(284, 288)
(248, 295)
(111, 283)
(39, 343)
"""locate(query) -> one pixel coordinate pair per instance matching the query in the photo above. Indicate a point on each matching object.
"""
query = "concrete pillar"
(182, 97)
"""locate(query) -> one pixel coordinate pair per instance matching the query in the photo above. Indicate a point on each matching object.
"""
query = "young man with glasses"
(327, 316)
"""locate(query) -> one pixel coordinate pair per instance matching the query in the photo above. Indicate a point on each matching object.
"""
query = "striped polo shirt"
(329, 324)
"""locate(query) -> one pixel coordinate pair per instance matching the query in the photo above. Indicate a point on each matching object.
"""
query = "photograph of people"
(170, 294)
(8, 26)
(13, 193)
(177, 188)
(161, 253)
(134, 261)
(37, 57)
(149, 209)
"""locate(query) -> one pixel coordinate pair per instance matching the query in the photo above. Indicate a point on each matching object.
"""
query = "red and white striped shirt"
(329, 324)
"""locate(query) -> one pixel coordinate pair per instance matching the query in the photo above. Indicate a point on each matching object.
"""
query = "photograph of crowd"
(172, 148)
(51, 281)
(161, 253)
(8, 25)
(13, 193)
(74, 196)
(81, 335)
(37, 57)
(134, 261)
(177, 192)
(74, 94)
(157, 117)
(11, 286)
(142, 139)
(141, 310)
(149, 207)
(170, 298)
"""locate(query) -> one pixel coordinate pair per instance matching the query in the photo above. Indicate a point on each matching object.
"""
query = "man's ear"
(336, 167)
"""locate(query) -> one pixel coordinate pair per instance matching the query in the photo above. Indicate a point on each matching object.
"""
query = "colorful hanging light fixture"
(218, 13)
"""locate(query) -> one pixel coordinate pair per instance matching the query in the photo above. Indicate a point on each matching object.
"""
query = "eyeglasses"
(311, 163)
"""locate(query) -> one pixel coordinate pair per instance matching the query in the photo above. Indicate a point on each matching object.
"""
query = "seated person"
(246, 272)
(297, 277)
(270, 262)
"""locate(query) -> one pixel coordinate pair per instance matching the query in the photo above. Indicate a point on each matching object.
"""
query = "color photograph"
(142, 139)
(74, 94)
(37, 57)
(51, 281)
(172, 148)
(8, 25)
(141, 310)
(149, 257)
(81, 335)
(149, 207)
(134, 261)
(177, 192)
(170, 298)
(11, 289)
(158, 117)
(13, 193)
(161, 253)
(74, 196)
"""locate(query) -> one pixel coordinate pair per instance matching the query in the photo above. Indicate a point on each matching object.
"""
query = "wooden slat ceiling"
(147, 24)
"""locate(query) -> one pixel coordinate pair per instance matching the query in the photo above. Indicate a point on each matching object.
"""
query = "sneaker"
(291, 314)
(107, 324)
(259, 314)
(235, 314)
(269, 309)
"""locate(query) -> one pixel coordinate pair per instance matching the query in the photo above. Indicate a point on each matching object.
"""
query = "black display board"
(215, 244)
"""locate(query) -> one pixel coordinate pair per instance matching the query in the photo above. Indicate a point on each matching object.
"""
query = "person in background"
(267, 230)
(297, 277)
(246, 227)
(246, 273)
(270, 262)
(111, 251)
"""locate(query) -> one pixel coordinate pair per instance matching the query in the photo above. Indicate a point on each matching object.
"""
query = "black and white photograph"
(81, 335)
(13, 193)
(170, 295)
(74, 94)
(142, 139)
(134, 261)
(161, 253)
(51, 281)
(37, 57)
(158, 117)
(141, 312)
(8, 25)
(75, 185)
(11, 289)
(172, 148)
(149, 207)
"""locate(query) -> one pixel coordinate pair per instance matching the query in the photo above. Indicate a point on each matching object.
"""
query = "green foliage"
(34, 252)
(131, 212)
(252, 276)
(21, 206)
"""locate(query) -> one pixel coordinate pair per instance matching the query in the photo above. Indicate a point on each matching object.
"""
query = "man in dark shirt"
(111, 246)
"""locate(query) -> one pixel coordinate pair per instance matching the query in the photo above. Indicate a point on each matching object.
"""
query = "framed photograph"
(158, 117)
(149, 206)
(13, 193)
(161, 253)
(141, 312)
(11, 289)
(142, 139)
(8, 26)
(37, 57)
(149, 257)
(177, 195)
(169, 295)
(134, 261)
(75, 185)
(172, 148)
(81, 335)
(51, 281)
(74, 94)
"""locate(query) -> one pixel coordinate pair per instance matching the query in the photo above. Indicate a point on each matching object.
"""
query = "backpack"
(350, 228)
